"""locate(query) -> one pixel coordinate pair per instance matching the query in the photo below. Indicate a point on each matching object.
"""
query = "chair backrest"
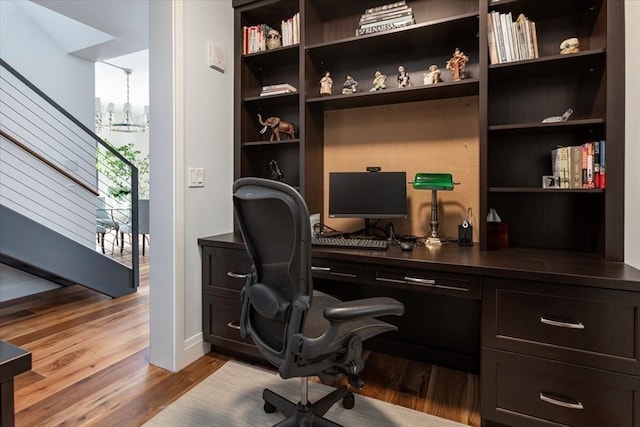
(274, 222)
(143, 216)
(101, 209)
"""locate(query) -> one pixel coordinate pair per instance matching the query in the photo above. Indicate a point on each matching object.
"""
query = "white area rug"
(232, 397)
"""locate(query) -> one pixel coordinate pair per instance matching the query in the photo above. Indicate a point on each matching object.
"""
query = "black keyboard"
(341, 242)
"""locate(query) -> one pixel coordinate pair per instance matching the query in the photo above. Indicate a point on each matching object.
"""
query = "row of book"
(291, 30)
(581, 166)
(277, 89)
(385, 18)
(255, 36)
(511, 41)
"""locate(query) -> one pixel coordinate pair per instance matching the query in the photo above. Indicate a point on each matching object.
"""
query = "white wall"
(208, 124)
(632, 135)
(192, 127)
(64, 78)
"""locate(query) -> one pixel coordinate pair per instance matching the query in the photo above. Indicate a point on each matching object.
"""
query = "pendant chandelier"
(127, 124)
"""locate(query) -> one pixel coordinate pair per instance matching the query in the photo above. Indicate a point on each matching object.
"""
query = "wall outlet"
(196, 177)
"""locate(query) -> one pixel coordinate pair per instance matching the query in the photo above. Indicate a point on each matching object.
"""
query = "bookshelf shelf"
(289, 99)
(254, 144)
(285, 54)
(546, 127)
(548, 66)
(443, 90)
(544, 190)
(409, 38)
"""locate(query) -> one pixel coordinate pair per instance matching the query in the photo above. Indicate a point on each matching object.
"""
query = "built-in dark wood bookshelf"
(564, 245)
(513, 98)
(516, 146)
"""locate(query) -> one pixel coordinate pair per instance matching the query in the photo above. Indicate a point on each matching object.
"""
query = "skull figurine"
(273, 39)
(568, 46)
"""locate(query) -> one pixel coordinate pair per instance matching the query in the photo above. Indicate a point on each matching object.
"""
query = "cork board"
(428, 136)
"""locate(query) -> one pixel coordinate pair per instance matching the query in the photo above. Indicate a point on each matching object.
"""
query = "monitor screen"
(367, 195)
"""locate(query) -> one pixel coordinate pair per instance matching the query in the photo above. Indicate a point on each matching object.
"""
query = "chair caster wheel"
(348, 401)
(269, 408)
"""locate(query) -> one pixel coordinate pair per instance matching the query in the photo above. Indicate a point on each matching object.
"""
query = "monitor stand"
(368, 232)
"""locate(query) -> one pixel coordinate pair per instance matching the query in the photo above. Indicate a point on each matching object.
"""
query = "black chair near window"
(300, 331)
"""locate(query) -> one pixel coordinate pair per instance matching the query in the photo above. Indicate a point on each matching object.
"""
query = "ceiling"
(114, 32)
(94, 30)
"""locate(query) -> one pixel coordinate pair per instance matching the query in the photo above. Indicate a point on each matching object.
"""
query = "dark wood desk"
(555, 336)
(13, 361)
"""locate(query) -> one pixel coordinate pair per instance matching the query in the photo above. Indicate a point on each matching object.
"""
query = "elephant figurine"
(277, 126)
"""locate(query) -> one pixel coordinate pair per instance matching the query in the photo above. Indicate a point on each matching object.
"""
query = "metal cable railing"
(57, 172)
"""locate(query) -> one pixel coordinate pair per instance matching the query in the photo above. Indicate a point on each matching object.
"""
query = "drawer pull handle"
(233, 325)
(558, 402)
(324, 269)
(570, 325)
(418, 281)
(236, 275)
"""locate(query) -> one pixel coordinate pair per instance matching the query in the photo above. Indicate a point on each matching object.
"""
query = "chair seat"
(126, 228)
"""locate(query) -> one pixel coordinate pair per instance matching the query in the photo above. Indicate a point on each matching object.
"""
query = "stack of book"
(277, 89)
(580, 166)
(511, 41)
(255, 36)
(385, 18)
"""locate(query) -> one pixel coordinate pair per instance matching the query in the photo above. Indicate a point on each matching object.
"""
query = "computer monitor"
(367, 195)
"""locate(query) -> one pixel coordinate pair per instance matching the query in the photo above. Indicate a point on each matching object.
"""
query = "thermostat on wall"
(216, 57)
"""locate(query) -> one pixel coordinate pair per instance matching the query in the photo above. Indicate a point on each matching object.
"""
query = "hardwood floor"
(90, 365)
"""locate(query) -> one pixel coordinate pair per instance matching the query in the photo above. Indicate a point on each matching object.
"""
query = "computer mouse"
(406, 246)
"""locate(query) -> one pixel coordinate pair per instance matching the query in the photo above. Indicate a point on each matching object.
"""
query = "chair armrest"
(363, 308)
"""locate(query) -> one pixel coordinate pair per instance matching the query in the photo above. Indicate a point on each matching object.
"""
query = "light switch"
(196, 177)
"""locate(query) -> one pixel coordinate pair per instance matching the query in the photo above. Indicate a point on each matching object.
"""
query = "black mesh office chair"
(300, 331)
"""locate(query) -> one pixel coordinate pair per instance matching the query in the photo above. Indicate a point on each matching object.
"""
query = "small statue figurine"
(273, 39)
(277, 126)
(457, 64)
(379, 81)
(403, 77)
(349, 85)
(326, 83)
(432, 76)
(569, 46)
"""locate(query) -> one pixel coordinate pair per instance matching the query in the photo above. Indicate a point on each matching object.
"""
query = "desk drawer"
(223, 270)
(221, 319)
(528, 391)
(593, 327)
(337, 270)
(443, 283)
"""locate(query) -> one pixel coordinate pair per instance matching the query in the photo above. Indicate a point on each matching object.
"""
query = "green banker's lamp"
(434, 182)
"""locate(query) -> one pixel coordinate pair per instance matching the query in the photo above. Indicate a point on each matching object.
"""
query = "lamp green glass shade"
(433, 181)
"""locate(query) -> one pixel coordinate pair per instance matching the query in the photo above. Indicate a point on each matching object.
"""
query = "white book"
(505, 37)
(491, 40)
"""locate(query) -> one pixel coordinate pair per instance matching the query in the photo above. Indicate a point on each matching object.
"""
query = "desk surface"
(13, 360)
(562, 267)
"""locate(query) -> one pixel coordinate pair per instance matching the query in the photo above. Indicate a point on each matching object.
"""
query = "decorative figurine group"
(456, 64)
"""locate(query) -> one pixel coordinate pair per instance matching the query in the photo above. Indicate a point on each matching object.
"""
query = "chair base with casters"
(305, 413)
